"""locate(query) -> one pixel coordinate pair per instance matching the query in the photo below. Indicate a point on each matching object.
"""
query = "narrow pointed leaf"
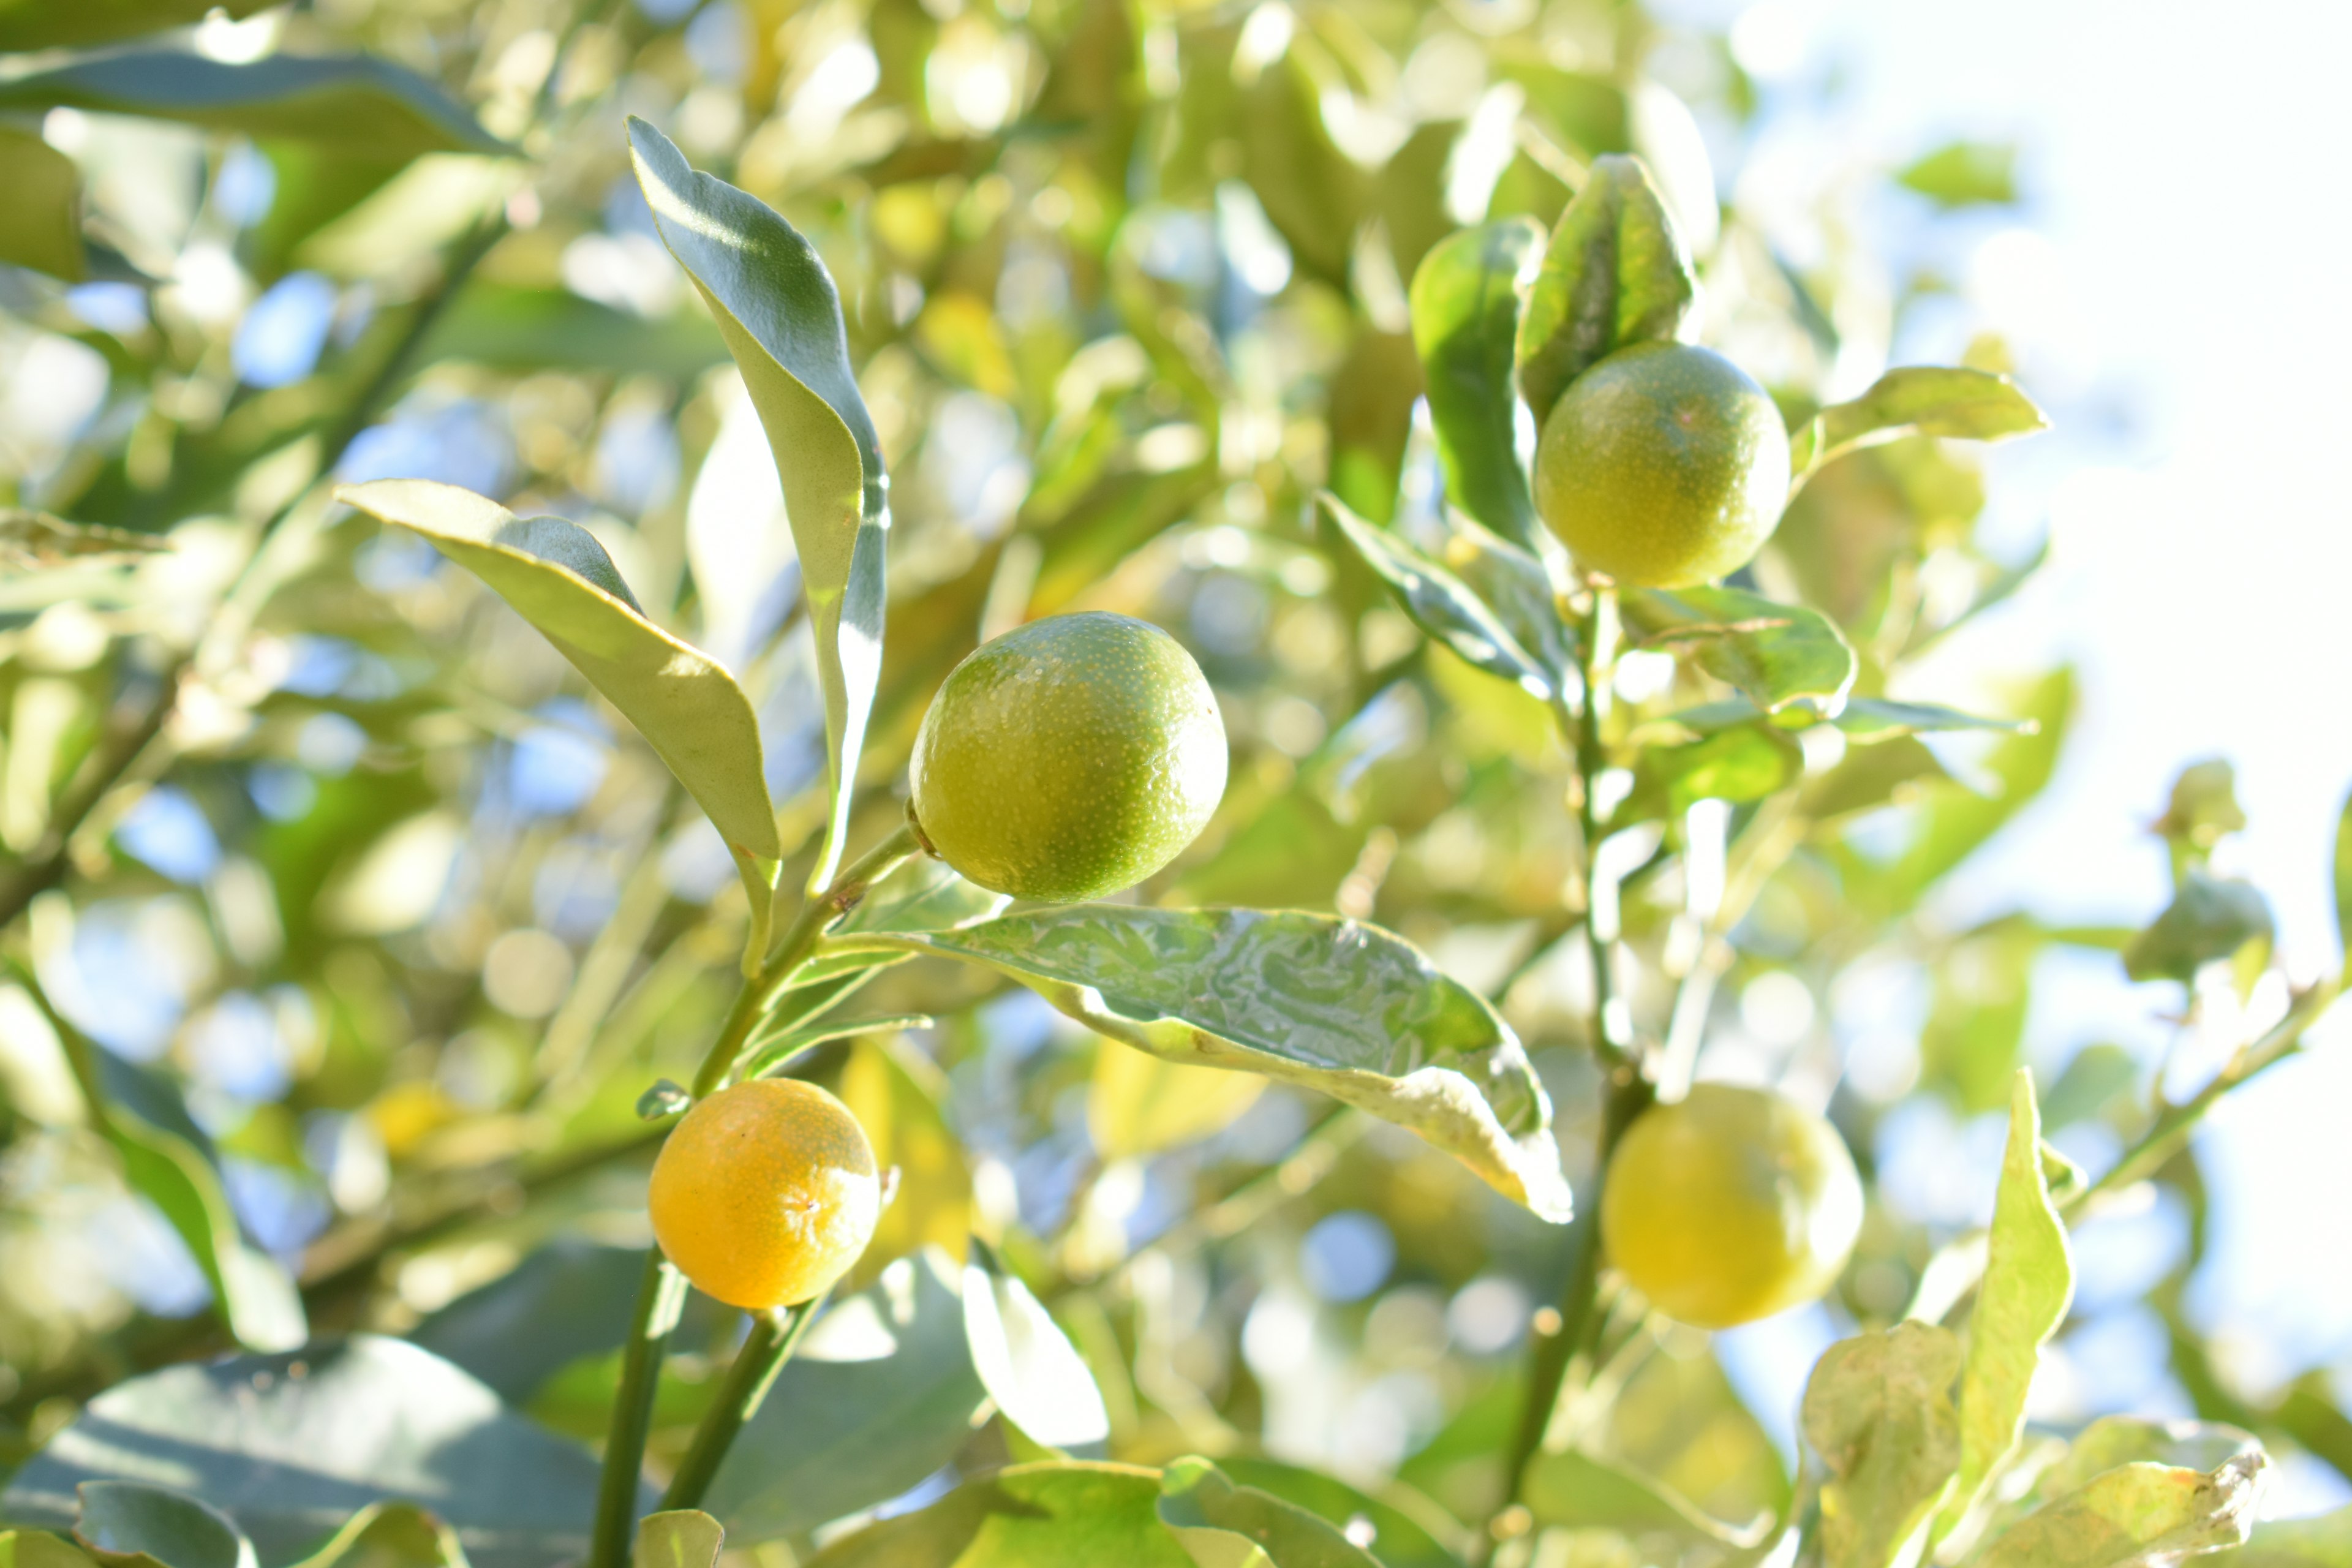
(1917, 400)
(1226, 1526)
(555, 574)
(352, 101)
(1440, 603)
(1465, 324)
(1028, 1366)
(1331, 1005)
(1615, 272)
(679, 1538)
(40, 206)
(126, 1525)
(778, 309)
(1878, 1410)
(2028, 1279)
(1774, 654)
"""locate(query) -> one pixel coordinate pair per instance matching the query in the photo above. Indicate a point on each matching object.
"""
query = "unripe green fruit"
(1069, 758)
(1662, 466)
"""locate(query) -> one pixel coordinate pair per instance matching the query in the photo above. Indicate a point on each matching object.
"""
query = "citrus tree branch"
(775, 1336)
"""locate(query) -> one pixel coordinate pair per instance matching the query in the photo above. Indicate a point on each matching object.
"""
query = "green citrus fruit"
(1662, 466)
(765, 1192)
(1730, 1204)
(1069, 758)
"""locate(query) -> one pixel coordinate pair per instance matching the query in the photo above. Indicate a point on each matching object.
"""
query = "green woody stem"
(660, 1298)
(775, 1336)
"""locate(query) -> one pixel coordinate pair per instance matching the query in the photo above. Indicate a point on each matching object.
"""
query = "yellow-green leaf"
(1615, 272)
(896, 1093)
(40, 206)
(1878, 1410)
(1139, 1104)
(679, 1538)
(1917, 400)
(1221, 1525)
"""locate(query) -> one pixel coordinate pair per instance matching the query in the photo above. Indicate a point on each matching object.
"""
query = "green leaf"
(1440, 603)
(524, 329)
(1775, 654)
(390, 1535)
(126, 1525)
(39, 1549)
(2136, 1516)
(46, 24)
(1028, 1366)
(2204, 807)
(879, 1397)
(555, 574)
(777, 308)
(1331, 1005)
(1743, 763)
(1917, 400)
(1878, 1410)
(897, 1094)
(1575, 1490)
(2324, 1540)
(289, 1445)
(1866, 720)
(2114, 1440)
(1221, 1525)
(1465, 325)
(1138, 1104)
(1964, 173)
(2209, 918)
(923, 895)
(1313, 193)
(352, 101)
(679, 1537)
(32, 539)
(2028, 1279)
(1405, 1526)
(1616, 272)
(40, 206)
(1062, 1515)
(1957, 823)
(2343, 882)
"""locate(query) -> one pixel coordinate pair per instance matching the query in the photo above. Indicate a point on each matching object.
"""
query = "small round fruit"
(1730, 1204)
(1069, 758)
(1662, 466)
(765, 1193)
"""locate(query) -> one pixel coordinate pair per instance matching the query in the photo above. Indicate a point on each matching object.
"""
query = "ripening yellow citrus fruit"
(765, 1192)
(1664, 465)
(1730, 1204)
(1069, 758)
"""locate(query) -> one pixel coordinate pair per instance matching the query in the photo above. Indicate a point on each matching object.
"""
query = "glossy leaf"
(896, 1092)
(556, 575)
(1405, 1526)
(1917, 400)
(1062, 1515)
(880, 1395)
(46, 24)
(1440, 603)
(777, 308)
(1878, 1410)
(352, 101)
(2136, 1516)
(390, 1535)
(2209, 918)
(1465, 325)
(1028, 1366)
(2028, 1279)
(1575, 1490)
(1775, 654)
(1615, 272)
(40, 206)
(1139, 1104)
(679, 1538)
(126, 1525)
(1226, 1526)
(289, 1446)
(1344, 1008)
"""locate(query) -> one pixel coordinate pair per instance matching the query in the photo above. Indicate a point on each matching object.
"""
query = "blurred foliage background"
(334, 873)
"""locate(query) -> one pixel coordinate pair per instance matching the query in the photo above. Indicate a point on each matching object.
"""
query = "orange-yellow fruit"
(1730, 1204)
(765, 1193)
(1664, 465)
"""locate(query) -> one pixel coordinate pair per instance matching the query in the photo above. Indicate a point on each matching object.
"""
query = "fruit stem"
(660, 1298)
(799, 938)
(775, 1336)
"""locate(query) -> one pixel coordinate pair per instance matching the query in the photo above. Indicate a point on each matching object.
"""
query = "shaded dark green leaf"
(1465, 325)
(2209, 918)
(1407, 1530)
(126, 1525)
(1225, 1526)
(1440, 603)
(1775, 654)
(290, 1446)
(1344, 1008)
(1917, 400)
(1615, 272)
(780, 315)
(352, 101)
(40, 206)
(46, 25)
